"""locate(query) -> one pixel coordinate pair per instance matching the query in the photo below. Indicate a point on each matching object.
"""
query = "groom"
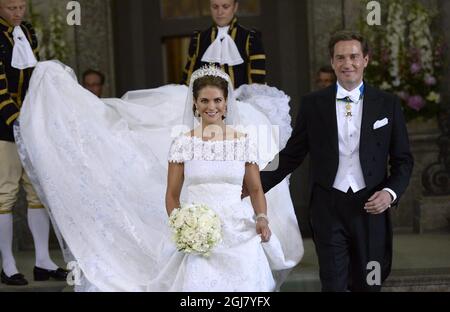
(352, 131)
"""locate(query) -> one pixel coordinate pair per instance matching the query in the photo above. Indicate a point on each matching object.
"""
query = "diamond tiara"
(209, 70)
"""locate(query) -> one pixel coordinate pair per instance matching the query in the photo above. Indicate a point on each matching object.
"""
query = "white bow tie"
(354, 95)
(223, 50)
(22, 56)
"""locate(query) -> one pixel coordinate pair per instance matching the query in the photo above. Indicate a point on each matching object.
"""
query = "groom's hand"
(378, 203)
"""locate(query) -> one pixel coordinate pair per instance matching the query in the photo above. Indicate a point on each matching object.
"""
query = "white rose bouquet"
(196, 229)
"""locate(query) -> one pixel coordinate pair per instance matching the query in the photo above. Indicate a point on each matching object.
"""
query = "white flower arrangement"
(196, 229)
(395, 37)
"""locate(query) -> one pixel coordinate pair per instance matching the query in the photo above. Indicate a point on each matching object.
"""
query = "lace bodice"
(186, 148)
(213, 165)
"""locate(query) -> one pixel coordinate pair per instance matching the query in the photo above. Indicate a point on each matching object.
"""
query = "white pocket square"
(380, 123)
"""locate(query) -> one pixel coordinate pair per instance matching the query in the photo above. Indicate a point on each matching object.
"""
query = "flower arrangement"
(406, 59)
(196, 229)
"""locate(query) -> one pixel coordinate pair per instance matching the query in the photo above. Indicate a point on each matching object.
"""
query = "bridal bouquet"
(196, 229)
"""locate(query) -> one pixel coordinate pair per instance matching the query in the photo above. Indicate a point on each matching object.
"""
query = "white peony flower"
(434, 97)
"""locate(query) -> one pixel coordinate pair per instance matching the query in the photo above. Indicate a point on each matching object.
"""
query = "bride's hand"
(262, 227)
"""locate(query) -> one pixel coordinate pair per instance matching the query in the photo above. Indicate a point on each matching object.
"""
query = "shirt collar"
(354, 95)
(222, 31)
(231, 26)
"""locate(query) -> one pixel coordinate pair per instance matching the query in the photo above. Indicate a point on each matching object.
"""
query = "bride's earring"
(197, 114)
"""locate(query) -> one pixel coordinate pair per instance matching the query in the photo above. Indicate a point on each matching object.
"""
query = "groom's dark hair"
(347, 35)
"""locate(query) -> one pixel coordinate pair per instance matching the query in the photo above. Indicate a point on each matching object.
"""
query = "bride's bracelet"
(262, 216)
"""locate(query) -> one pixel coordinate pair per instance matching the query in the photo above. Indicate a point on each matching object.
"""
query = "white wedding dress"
(100, 167)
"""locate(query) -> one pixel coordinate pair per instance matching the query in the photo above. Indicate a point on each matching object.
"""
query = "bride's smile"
(211, 105)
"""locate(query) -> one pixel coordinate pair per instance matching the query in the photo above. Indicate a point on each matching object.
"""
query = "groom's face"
(349, 63)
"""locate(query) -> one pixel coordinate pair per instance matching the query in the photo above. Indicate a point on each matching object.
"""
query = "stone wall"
(94, 41)
(91, 43)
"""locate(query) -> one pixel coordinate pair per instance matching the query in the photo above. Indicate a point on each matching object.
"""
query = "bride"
(102, 169)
